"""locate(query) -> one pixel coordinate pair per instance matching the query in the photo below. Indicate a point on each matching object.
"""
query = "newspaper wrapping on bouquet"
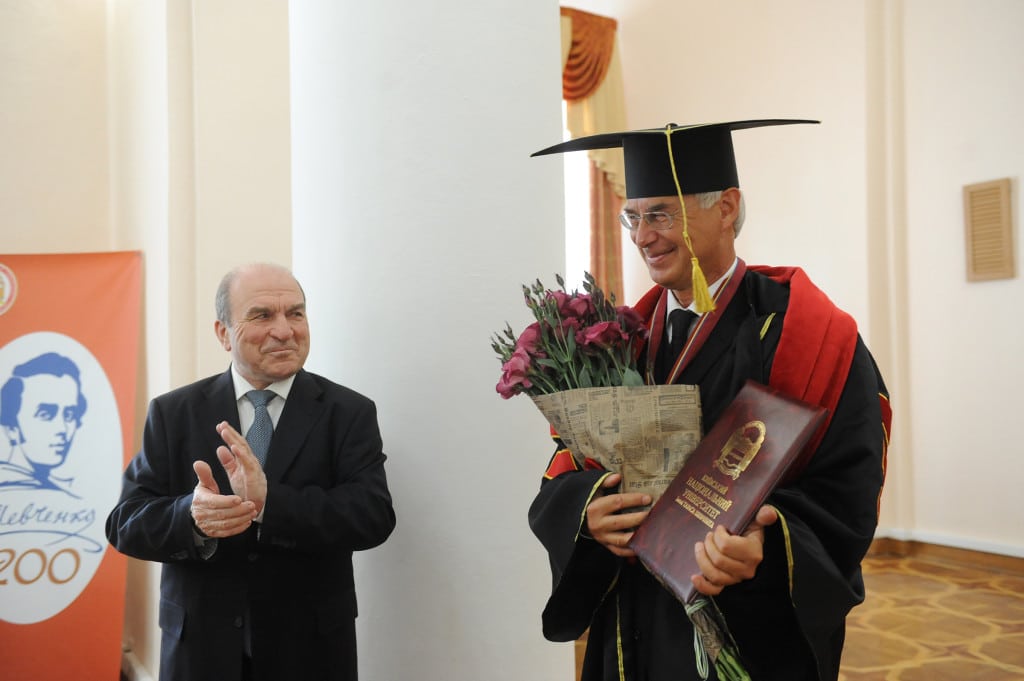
(578, 363)
(643, 432)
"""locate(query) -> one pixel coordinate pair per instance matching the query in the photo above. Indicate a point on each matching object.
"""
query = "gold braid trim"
(789, 550)
(767, 323)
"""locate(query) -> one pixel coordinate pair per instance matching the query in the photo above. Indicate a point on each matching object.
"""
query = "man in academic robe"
(256, 540)
(785, 585)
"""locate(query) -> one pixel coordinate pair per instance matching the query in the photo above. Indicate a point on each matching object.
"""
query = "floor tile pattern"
(932, 620)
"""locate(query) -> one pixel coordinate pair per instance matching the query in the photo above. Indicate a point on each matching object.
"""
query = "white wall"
(242, 147)
(139, 205)
(417, 215)
(963, 108)
(54, 171)
(698, 62)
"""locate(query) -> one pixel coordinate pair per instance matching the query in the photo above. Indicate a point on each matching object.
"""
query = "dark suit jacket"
(289, 579)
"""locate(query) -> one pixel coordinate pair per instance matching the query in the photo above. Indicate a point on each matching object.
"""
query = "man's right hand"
(607, 525)
(214, 514)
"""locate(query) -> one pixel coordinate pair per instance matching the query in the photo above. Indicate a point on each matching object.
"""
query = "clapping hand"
(244, 472)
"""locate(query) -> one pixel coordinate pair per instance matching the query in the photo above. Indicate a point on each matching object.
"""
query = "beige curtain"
(592, 88)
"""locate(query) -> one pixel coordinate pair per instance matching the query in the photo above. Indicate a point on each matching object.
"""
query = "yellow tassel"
(701, 295)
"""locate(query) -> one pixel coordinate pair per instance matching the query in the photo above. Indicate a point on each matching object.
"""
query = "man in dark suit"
(257, 577)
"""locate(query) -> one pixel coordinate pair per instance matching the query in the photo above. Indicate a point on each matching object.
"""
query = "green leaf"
(632, 377)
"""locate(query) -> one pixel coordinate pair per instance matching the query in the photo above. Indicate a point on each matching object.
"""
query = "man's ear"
(729, 204)
(223, 334)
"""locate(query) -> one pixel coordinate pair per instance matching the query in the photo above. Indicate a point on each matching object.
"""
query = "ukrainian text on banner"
(69, 344)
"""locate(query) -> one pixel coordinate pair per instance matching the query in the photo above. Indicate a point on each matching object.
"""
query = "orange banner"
(69, 348)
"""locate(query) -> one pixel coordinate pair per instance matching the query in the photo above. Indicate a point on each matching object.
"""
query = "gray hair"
(222, 299)
(707, 199)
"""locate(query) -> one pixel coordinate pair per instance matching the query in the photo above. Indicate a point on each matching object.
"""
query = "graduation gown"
(788, 621)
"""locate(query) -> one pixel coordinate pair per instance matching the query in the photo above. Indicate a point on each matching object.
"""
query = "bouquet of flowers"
(580, 340)
(578, 363)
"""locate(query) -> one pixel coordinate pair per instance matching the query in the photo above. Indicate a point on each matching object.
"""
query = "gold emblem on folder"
(740, 449)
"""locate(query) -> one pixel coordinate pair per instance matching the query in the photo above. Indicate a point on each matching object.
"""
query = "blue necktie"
(262, 428)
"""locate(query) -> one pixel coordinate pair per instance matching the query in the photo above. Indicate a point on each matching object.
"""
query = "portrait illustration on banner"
(59, 457)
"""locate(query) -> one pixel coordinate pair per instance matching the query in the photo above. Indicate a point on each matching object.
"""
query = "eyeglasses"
(655, 219)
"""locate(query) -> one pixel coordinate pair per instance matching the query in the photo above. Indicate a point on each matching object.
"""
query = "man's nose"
(644, 235)
(281, 328)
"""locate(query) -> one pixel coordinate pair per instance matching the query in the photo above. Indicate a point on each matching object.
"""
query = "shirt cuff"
(205, 546)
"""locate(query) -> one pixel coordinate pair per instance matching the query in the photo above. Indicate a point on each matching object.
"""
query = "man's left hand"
(244, 472)
(726, 559)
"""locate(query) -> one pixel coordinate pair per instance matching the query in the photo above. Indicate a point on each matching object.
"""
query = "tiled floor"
(929, 619)
(933, 614)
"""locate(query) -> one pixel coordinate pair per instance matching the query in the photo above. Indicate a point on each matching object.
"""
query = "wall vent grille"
(988, 231)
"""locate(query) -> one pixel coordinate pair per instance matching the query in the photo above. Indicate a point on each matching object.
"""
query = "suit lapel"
(302, 409)
(221, 405)
(221, 401)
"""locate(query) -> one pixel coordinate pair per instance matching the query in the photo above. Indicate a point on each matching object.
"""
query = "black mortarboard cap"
(703, 156)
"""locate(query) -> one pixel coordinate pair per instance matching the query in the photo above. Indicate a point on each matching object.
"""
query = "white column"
(417, 215)
(200, 181)
(138, 70)
(242, 148)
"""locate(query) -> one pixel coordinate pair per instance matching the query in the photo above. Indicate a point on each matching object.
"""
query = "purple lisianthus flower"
(530, 341)
(572, 306)
(602, 335)
(515, 375)
(568, 327)
(631, 321)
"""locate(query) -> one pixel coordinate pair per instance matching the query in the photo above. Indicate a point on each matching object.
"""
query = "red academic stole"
(815, 350)
(814, 354)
